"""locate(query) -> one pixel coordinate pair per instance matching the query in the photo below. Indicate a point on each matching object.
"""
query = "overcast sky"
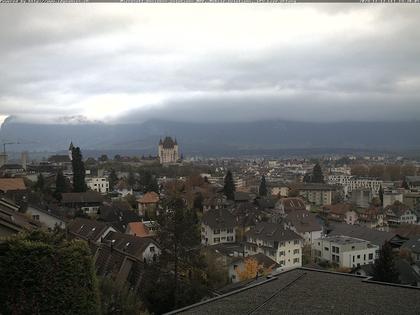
(129, 63)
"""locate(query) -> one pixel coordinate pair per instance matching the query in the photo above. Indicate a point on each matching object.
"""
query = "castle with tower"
(168, 151)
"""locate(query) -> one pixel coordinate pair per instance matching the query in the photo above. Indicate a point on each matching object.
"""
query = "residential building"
(98, 184)
(148, 204)
(413, 182)
(341, 212)
(305, 224)
(13, 222)
(361, 197)
(273, 240)
(89, 230)
(168, 151)
(317, 194)
(218, 226)
(48, 217)
(413, 246)
(399, 213)
(88, 202)
(139, 229)
(351, 183)
(118, 214)
(143, 248)
(347, 252)
(389, 197)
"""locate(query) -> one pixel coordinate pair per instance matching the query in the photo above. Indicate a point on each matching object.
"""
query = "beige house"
(273, 240)
(317, 194)
(218, 226)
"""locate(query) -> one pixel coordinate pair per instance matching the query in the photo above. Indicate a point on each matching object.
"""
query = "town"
(172, 233)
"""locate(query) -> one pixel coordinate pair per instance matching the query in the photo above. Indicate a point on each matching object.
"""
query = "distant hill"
(217, 138)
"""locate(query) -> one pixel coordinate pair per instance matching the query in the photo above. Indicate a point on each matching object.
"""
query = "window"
(230, 238)
(370, 256)
(358, 256)
(326, 248)
(223, 238)
(296, 260)
(364, 256)
(217, 231)
(281, 253)
(296, 242)
(35, 217)
(353, 261)
(229, 230)
(152, 249)
(216, 240)
(296, 251)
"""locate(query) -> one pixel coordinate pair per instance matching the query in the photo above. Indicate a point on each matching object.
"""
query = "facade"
(273, 240)
(218, 226)
(317, 194)
(361, 197)
(99, 184)
(391, 197)
(148, 204)
(46, 217)
(347, 252)
(89, 202)
(168, 151)
(305, 224)
(351, 183)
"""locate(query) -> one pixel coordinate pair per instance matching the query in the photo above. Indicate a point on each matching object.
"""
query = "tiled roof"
(293, 204)
(130, 244)
(268, 231)
(298, 291)
(139, 229)
(408, 230)
(82, 197)
(7, 184)
(149, 197)
(304, 221)
(339, 208)
(219, 219)
(87, 229)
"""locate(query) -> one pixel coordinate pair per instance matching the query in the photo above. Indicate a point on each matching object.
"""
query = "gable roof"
(82, 197)
(292, 204)
(118, 214)
(219, 219)
(408, 230)
(413, 245)
(16, 221)
(139, 229)
(149, 197)
(88, 229)
(11, 184)
(303, 221)
(130, 244)
(298, 291)
(268, 231)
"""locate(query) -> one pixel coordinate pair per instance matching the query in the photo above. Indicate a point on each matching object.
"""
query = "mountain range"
(216, 138)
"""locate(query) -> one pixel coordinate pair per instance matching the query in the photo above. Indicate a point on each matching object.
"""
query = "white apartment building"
(347, 252)
(351, 183)
(273, 240)
(218, 226)
(99, 184)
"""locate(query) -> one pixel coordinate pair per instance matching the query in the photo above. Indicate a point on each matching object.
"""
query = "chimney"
(24, 159)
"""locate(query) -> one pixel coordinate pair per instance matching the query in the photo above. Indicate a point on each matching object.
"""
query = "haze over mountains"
(216, 138)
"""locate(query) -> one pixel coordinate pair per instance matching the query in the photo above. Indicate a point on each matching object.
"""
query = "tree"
(251, 270)
(384, 267)
(60, 185)
(131, 179)
(317, 176)
(178, 278)
(229, 187)
(153, 185)
(263, 187)
(381, 195)
(79, 184)
(45, 274)
(40, 183)
(198, 201)
(113, 179)
(103, 158)
(118, 299)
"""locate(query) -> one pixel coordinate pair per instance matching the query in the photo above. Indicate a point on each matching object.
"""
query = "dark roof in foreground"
(310, 291)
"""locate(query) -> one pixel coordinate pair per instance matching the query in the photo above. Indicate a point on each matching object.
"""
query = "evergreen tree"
(178, 274)
(384, 268)
(45, 274)
(317, 176)
(113, 179)
(198, 202)
(79, 173)
(229, 187)
(60, 185)
(40, 183)
(381, 195)
(263, 187)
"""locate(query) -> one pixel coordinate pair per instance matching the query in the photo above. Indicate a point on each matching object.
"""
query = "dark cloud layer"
(210, 63)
